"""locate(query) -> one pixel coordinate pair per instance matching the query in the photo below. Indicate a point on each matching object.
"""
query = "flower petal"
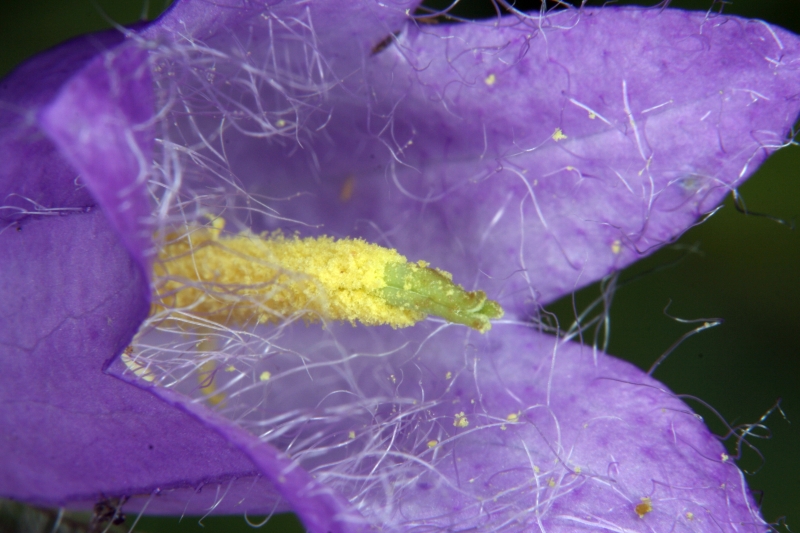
(99, 122)
(440, 429)
(49, 185)
(557, 443)
(531, 157)
(72, 298)
(339, 27)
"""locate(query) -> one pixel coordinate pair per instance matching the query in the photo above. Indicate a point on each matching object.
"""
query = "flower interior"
(344, 202)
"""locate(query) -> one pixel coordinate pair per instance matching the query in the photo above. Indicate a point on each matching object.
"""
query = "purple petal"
(585, 445)
(438, 430)
(49, 182)
(454, 161)
(72, 299)
(100, 122)
(319, 506)
(341, 28)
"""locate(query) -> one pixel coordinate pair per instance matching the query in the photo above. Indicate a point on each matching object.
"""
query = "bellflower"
(528, 156)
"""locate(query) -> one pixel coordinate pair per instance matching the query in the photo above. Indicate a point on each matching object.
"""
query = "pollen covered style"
(247, 278)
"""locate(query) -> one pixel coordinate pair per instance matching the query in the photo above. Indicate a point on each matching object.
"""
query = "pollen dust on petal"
(461, 420)
(643, 507)
(558, 135)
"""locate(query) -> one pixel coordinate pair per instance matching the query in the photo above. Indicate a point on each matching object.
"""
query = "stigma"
(249, 279)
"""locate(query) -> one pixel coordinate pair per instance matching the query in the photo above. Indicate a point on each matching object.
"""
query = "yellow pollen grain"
(513, 417)
(644, 507)
(265, 375)
(490, 80)
(351, 435)
(558, 135)
(432, 443)
(461, 420)
(616, 247)
(246, 278)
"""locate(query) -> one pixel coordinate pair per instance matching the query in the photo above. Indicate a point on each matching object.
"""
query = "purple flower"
(528, 156)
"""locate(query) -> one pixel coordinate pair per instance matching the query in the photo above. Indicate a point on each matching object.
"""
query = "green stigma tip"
(432, 292)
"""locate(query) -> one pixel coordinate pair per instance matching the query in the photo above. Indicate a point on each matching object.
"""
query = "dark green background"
(745, 271)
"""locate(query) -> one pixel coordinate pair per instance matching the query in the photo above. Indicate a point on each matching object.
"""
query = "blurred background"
(742, 269)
